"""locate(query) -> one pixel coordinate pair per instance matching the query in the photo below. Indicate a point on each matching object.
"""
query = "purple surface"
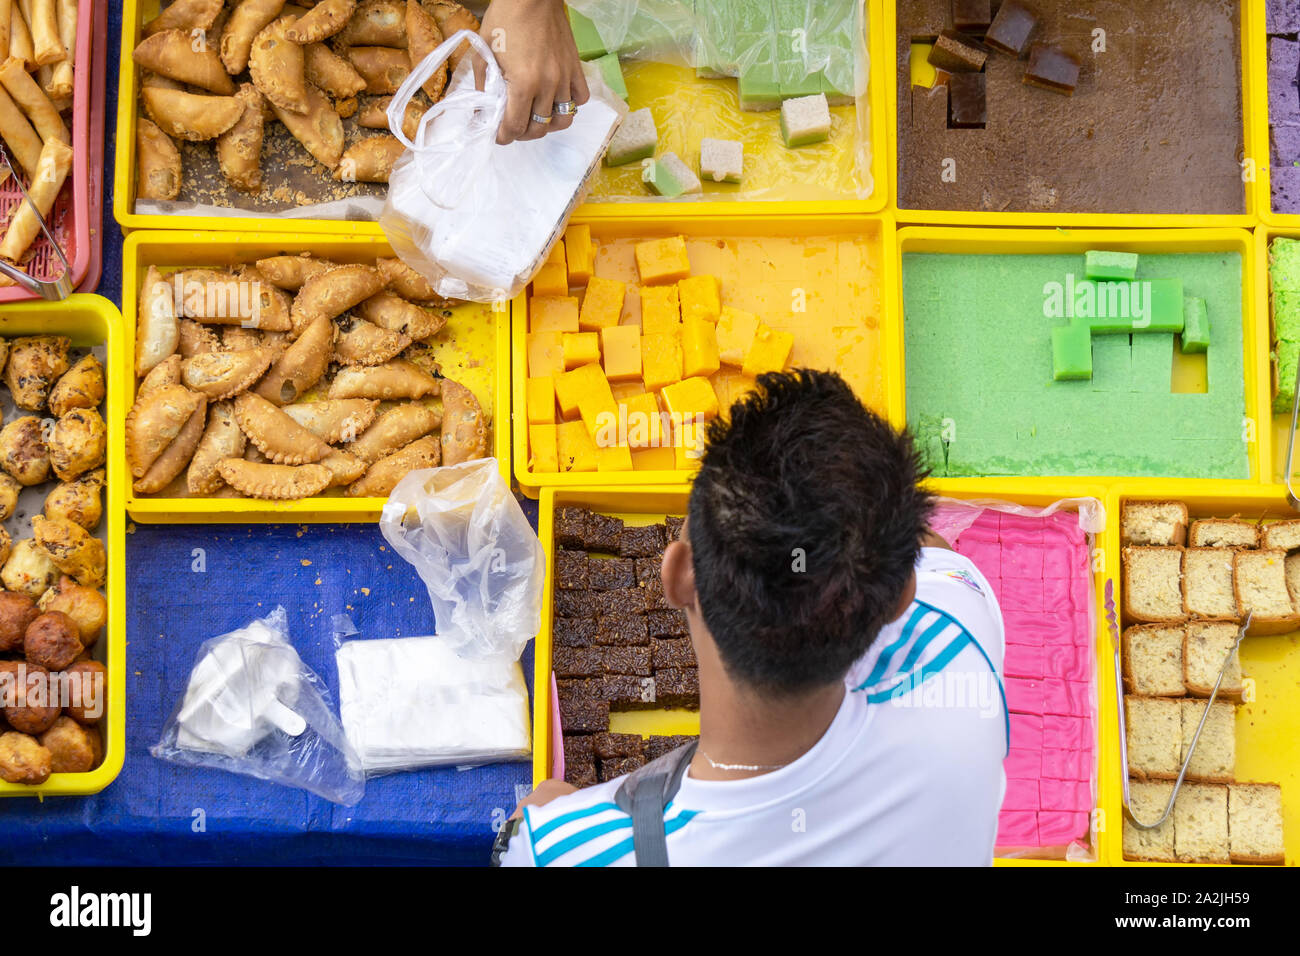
(1286, 188)
(1283, 16)
(1285, 145)
(1283, 65)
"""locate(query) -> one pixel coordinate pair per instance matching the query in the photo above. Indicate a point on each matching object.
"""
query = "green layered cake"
(1284, 283)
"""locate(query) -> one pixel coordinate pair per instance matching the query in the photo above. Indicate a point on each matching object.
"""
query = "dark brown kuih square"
(575, 604)
(578, 662)
(582, 771)
(673, 652)
(607, 746)
(654, 597)
(1053, 69)
(621, 659)
(584, 716)
(613, 769)
(571, 527)
(966, 104)
(625, 692)
(630, 600)
(677, 686)
(972, 16)
(1011, 28)
(580, 688)
(574, 631)
(602, 533)
(656, 747)
(956, 53)
(571, 570)
(642, 542)
(606, 574)
(578, 748)
(624, 630)
(667, 624)
(673, 527)
(647, 570)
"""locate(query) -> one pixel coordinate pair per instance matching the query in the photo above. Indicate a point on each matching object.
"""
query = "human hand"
(534, 46)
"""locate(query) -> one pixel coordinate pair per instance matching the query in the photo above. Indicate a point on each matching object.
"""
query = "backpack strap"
(645, 793)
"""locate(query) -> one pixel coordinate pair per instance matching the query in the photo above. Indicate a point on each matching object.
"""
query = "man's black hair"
(805, 524)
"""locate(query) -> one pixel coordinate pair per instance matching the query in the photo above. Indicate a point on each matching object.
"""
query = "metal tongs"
(1291, 497)
(52, 290)
(1123, 725)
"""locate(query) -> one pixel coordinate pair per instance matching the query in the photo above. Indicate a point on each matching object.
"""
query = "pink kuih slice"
(1040, 570)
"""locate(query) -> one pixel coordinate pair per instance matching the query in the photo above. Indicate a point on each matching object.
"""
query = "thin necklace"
(742, 766)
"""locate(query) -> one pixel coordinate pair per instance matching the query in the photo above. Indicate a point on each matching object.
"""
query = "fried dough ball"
(71, 746)
(82, 386)
(23, 451)
(29, 569)
(80, 501)
(78, 442)
(52, 640)
(6, 544)
(17, 611)
(9, 490)
(86, 606)
(86, 694)
(35, 363)
(23, 759)
(30, 705)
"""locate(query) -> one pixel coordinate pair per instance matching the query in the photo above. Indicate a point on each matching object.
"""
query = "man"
(851, 707)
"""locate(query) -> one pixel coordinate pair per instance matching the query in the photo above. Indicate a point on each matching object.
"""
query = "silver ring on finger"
(541, 120)
(567, 108)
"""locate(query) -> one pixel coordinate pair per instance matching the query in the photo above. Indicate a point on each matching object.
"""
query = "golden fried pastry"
(290, 272)
(280, 482)
(148, 79)
(250, 17)
(394, 313)
(332, 73)
(364, 343)
(394, 429)
(278, 68)
(217, 297)
(35, 364)
(29, 569)
(301, 365)
(87, 691)
(382, 477)
(237, 338)
(374, 114)
(85, 606)
(272, 303)
(166, 372)
(23, 452)
(6, 544)
(175, 456)
(52, 640)
(32, 705)
(71, 746)
(17, 611)
(222, 439)
(9, 490)
(376, 23)
(79, 501)
(219, 375)
(239, 149)
(344, 468)
(278, 437)
(464, 432)
(191, 116)
(383, 68)
(158, 162)
(23, 759)
(195, 339)
(319, 129)
(81, 386)
(185, 15)
(78, 442)
(369, 160)
(156, 331)
(323, 20)
(423, 37)
(401, 279)
(173, 54)
(154, 421)
(333, 293)
(334, 420)
(392, 380)
(452, 18)
(73, 550)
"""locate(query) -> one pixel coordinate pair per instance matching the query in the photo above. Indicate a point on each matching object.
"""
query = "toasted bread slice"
(1154, 732)
(1147, 801)
(1153, 660)
(1281, 535)
(1206, 645)
(1259, 578)
(1153, 592)
(1223, 533)
(1201, 823)
(1207, 583)
(1215, 759)
(1255, 823)
(1154, 523)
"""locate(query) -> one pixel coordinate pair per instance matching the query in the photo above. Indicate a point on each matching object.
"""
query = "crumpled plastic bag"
(479, 558)
(475, 218)
(253, 707)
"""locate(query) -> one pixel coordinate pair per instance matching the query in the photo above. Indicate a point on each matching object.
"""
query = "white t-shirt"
(908, 773)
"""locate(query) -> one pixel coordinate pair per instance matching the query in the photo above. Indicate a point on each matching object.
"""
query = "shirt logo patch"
(966, 578)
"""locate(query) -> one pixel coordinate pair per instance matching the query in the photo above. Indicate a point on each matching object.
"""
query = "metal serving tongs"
(1291, 497)
(1123, 725)
(52, 290)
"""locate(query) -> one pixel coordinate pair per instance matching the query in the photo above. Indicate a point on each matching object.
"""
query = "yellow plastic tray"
(1268, 729)
(91, 320)
(773, 259)
(1056, 241)
(1254, 102)
(484, 349)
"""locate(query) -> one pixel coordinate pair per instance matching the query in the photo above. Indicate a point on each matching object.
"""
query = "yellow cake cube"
(735, 331)
(659, 309)
(602, 305)
(654, 459)
(581, 348)
(585, 392)
(539, 396)
(640, 416)
(553, 313)
(621, 345)
(662, 260)
(614, 458)
(623, 390)
(556, 255)
(689, 447)
(699, 347)
(581, 254)
(576, 450)
(701, 297)
(769, 351)
(661, 360)
(552, 278)
(545, 353)
(542, 448)
(691, 398)
(568, 389)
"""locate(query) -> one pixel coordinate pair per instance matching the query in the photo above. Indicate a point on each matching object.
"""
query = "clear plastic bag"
(464, 532)
(477, 219)
(253, 707)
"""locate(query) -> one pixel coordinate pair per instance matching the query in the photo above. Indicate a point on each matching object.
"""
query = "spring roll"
(20, 38)
(44, 27)
(32, 99)
(51, 171)
(62, 82)
(22, 140)
(6, 11)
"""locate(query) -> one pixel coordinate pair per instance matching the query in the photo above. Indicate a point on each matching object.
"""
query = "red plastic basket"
(69, 220)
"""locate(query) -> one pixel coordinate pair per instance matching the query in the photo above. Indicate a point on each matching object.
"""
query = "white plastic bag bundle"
(475, 218)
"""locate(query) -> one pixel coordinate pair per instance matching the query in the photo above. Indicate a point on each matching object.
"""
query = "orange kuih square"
(735, 331)
(613, 458)
(581, 254)
(701, 298)
(552, 313)
(663, 458)
(661, 360)
(576, 450)
(769, 351)
(552, 278)
(540, 399)
(640, 415)
(699, 347)
(622, 349)
(542, 448)
(659, 309)
(662, 260)
(691, 398)
(602, 305)
(545, 353)
(580, 348)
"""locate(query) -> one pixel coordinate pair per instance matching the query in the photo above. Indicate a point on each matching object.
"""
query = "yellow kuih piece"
(654, 459)
(569, 387)
(552, 279)
(553, 313)
(614, 458)
(643, 424)
(769, 352)
(540, 398)
(585, 390)
(689, 446)
(545, 353)
(701, 298)
(576, 450)
(735, 332)
(625, 390)
(580, 253)
(662, 260)
(691, 398)
(581, 348)
(660, 311)
(602, 305)
(621, 346)
(542, 446)
(699, 347)
(661, 360)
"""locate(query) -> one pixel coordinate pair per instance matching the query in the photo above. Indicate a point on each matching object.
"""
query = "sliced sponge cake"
(1255, 823)
(1223, 533)
(1260, 581)
(1154, 733)
(1207, 583)
(1206, 646)
(1153, 590)
(1282, 535)
(1201, 824)
(1215, 759)
(1154, 523)
(1153, 660)
(1148, 801)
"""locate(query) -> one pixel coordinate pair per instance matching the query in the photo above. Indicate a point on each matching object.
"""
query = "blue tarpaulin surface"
(156, 812)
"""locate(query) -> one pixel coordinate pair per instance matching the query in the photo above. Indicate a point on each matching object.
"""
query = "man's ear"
(678, 574)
